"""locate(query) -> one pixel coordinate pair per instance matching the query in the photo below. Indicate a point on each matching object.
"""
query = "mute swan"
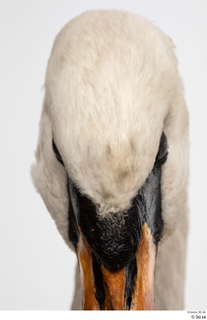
(112, 160)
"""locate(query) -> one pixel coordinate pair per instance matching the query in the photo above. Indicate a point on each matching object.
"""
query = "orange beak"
(114, 282)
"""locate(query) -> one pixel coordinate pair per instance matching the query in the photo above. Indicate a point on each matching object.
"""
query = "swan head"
(112, 161)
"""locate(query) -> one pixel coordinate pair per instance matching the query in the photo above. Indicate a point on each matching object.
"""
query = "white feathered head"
(112, 94)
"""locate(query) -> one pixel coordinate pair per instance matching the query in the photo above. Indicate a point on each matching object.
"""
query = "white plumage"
(112, 86)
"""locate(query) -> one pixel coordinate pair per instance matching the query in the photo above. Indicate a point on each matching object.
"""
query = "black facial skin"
(114, 239)
(56, 152)
(73, 230)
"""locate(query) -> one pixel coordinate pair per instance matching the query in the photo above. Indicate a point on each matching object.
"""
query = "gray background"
(36, 267)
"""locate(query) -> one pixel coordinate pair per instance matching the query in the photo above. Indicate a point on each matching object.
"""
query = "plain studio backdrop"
(37, 268)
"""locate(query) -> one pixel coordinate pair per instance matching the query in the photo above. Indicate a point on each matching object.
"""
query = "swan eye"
(56, 152)
(162, 153)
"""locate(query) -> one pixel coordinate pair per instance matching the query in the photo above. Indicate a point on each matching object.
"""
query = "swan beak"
(143, 295)
(120, 289)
